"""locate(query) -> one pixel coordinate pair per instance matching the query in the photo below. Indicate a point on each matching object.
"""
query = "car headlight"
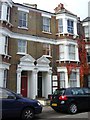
(39, 103)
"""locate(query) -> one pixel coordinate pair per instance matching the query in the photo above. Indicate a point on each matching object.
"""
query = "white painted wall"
(2, 44)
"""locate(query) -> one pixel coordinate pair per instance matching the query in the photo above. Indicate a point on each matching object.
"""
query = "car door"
(80, 98)
(9, 104)
(87, 94)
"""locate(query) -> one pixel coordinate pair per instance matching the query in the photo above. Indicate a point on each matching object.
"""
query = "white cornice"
(7, 32)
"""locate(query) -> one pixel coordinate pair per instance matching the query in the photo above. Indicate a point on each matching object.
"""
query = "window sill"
(49, 56)
(65, 60)
(7, 23)
(6, 56)
(47, 32)
(19, 53)
(23, 28)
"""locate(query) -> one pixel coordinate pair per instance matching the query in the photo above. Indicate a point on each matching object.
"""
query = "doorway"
(39, 84)
(24, 84)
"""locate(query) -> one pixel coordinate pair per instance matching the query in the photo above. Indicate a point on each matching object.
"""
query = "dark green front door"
(39, 84)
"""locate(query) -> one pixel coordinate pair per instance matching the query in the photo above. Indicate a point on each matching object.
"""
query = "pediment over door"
(27, 61)
(43, 61)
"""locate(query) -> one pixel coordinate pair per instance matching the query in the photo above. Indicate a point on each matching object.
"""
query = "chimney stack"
(60, 7)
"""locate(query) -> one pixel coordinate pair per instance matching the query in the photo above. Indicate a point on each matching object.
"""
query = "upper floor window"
(46, 24)
(61, 51)
(22, 46)
(70, 27)
(8, 13)
(23, 19)
(60, 25)
(47, 49)
(0, 10)
(6, 45)
(86, 30)
(62, 79)
(88, 55)
(72, 52)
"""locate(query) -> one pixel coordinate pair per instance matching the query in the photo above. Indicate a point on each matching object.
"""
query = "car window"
(59, 92)
(86, 90)
(4, 94)
(77, 92)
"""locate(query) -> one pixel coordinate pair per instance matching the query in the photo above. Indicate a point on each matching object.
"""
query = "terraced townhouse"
(39, 50)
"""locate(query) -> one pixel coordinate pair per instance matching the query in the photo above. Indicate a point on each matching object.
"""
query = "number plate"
(54, 104)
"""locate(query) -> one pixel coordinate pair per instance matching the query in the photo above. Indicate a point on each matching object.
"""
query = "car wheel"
(72, 108)
(27, 114)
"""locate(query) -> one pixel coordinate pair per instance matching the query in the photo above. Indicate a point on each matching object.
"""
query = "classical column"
(33, 84)
(19, 81)
(48, 84)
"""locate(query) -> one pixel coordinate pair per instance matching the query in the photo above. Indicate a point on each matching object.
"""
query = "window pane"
(62, 79)
(46, 24)
(22, 19)
(46, 49)
(60, 25)
(73, 80)
(61, 51)
(72, 52)
(70, 27)
(22, 46)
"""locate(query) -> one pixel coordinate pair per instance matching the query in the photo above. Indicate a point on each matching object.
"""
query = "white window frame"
(46, 24)
(70, 27)
(62, 79)
(60, 25)
(73, 79)
(61, 51)
(22, 47)
(71, 49)
(6, 45)
(21, 19)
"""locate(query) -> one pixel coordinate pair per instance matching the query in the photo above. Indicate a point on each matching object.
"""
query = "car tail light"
(63, 98)
(50, 97)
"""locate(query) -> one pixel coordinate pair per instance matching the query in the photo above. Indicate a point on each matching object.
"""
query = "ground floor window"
(73, 80)
(62, 79)
(5, 78)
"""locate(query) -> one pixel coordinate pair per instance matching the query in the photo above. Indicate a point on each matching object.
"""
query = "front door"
(24, 86)
(39, 84)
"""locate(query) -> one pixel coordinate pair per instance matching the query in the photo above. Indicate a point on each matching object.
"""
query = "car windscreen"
(59, 92)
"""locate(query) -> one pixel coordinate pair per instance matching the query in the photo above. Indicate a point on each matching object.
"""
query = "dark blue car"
(14, 105)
